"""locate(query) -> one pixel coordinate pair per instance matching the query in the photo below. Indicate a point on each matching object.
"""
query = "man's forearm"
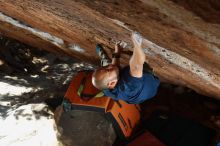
(138, 55)
(116, 58)
(117, 54)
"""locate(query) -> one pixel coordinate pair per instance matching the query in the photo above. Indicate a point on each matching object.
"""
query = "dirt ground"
(39, 75)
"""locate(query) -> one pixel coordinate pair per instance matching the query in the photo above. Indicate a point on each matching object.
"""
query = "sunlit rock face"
(31, 124)
(181, 45)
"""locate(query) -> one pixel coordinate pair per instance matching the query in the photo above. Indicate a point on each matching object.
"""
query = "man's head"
(105, 77)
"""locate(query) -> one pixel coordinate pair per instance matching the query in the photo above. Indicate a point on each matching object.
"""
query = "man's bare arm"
(138, 58)
(116, 55)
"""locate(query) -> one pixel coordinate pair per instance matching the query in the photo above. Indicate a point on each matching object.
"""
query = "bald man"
(129, 83)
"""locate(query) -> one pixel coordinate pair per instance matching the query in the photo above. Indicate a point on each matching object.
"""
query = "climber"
(130, 83)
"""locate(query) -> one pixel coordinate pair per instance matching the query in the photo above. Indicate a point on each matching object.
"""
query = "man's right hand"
(119, 47)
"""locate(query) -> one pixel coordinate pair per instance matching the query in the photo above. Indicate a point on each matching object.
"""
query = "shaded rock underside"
(181, 44)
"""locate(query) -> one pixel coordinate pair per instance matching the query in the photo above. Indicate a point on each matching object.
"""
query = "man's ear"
(112, 84)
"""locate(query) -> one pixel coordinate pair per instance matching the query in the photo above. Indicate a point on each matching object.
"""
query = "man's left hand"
(119, 46)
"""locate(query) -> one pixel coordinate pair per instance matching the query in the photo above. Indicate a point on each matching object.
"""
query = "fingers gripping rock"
(121, 44)
(137, 39)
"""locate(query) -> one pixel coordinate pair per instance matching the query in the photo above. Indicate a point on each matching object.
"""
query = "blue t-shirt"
(132, 89)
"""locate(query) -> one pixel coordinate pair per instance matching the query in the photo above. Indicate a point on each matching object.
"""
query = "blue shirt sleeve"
(133, 89)
(109, 93)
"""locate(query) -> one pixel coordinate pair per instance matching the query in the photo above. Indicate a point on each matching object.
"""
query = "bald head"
(99, 79)
(105, 78)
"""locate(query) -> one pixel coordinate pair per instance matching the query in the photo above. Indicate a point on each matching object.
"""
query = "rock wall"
(180, 44)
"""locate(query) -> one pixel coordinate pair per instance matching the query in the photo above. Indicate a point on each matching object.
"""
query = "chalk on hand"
(122, 44)
(137, 38)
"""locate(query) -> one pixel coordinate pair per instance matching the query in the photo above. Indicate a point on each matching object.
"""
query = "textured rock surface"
(181, 45)
(86, 128)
